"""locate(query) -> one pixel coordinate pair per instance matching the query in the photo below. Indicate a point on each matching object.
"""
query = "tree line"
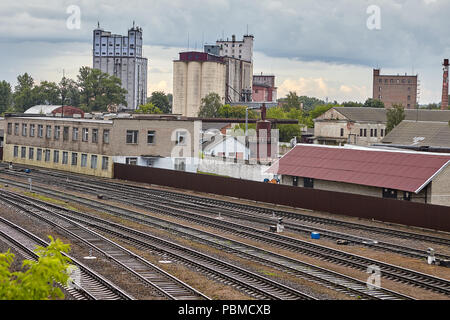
(93, 90)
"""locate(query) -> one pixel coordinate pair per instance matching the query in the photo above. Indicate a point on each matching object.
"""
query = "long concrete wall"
(254, 172)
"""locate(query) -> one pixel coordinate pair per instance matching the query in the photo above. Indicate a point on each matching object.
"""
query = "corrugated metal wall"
(396, 211)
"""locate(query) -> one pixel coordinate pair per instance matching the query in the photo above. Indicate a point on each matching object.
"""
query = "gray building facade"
(121, 56)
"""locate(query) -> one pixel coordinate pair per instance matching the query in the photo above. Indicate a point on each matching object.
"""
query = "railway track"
(251, 213)
(328, 254)
(92, 286)
(257, 286)
(166, 285)
(334, 280)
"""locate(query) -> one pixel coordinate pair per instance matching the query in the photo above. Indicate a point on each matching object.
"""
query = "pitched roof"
(400, 170)
(379, 114)
(420, 133)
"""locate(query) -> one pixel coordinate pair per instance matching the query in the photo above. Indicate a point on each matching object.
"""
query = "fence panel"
(395, 211)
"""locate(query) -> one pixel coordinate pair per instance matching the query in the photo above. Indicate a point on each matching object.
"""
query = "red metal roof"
(400, 170)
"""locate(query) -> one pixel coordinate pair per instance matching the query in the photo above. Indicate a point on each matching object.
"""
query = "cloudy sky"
(320, 48)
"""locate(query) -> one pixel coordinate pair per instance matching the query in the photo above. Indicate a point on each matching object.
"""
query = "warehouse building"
(393, 174)
(91, 146)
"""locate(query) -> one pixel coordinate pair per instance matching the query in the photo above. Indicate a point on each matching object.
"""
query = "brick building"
(395, 89)
(264, 89)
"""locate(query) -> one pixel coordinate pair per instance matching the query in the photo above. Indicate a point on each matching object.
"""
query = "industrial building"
(195, 75)
(122, 56)
(233, 48)
(264, 89)
(393, 174)
(395, 89)
(91, 146)
(363, 126)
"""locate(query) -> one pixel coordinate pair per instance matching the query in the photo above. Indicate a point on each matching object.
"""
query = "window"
(342, 132)
(375, 134)
(40, 130)
(65, 133)
(31, 153)
(131, 161)
(132, 136)
(39, 154)
(94, 135)
(56, 156)
(16, 151)
(84, 160)
(105, 163)
(23, 152)
(16, 129)
(295, 181)
(407, 196)
(57, 132)
(151, 137)
(389, 193)
(308, 182)
(65, 158)
(85, 134)
(10, 128)
(48, 132)
(93, 162)
(47, 155)
(371, 132)
(24, 129)
(382, 132)
(181, 138)
(75, 134)
(409, 98)
(365, 132)
(106, 136)
(180, 164)
(74, 158)
(32, 130)
(361, 132)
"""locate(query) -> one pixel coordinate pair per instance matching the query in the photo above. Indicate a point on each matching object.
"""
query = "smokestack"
(444, 103)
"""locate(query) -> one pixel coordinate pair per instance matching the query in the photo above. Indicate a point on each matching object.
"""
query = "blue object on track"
(315, 235)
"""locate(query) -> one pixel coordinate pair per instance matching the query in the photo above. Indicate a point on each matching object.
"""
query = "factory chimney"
(444, 103)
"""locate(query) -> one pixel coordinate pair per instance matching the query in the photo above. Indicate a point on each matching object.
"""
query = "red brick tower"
(444, 104)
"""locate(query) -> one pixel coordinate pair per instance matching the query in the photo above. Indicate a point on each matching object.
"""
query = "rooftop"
(420, 133)
(394, 169)
(379, 114)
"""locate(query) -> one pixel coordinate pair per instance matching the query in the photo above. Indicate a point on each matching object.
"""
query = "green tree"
(38, 279)
(148, 108)
(160, 100)
(99, 90)
(292, 101)
(352, 104)
(69, 92)
(46, 93)
(210, 106)
(373, 103)
(23, 93)
(5, 96)
(395, 115)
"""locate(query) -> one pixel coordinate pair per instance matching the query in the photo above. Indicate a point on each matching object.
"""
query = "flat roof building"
(395, 89)
(91, 146)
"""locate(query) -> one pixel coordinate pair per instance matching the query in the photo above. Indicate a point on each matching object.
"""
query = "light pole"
(246, 132)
